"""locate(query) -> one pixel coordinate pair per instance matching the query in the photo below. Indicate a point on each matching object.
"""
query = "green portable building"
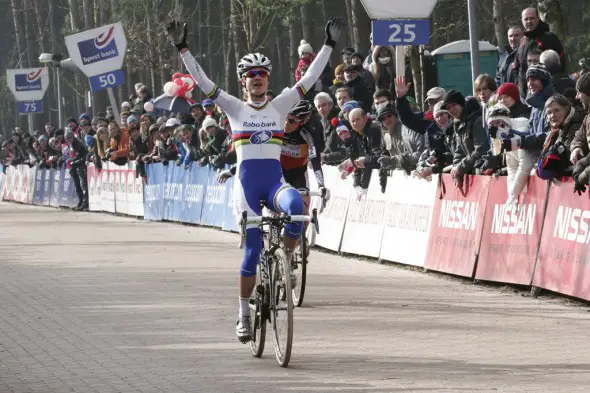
(453, 64)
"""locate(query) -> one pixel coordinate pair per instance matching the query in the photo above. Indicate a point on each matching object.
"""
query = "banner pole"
(114, 105)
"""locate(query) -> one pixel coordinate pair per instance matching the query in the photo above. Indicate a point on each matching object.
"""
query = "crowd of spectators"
(530, 118)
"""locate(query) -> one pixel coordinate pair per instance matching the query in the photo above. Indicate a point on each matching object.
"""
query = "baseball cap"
(436, 93)
(172, 123)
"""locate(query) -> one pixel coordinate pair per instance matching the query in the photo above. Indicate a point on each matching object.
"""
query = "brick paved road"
(96, 303)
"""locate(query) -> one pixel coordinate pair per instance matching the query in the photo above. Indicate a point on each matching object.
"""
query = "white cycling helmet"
(253, 60)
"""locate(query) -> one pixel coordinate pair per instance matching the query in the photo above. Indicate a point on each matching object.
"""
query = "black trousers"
(78, 173)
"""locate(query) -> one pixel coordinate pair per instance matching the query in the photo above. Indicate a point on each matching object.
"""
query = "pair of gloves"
(177, 33)
(400, 161)
(581, 175)
(510, 141)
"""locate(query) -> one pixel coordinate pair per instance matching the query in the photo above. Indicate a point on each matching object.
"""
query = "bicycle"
(301, 254)
(272, 296)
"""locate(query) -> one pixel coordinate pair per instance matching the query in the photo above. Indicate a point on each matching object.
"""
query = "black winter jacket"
(542, 39)
(471, 138)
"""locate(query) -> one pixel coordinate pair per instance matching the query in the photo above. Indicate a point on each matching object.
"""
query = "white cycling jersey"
(257, 133)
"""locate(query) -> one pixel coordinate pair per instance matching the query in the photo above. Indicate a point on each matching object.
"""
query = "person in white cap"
(502, 129)
(306, 56)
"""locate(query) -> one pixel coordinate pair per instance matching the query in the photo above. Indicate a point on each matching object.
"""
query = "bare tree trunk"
(40, 24)
(29, 34)
(233, 32)
(209, 37)
(293, 44)
(500, 23)
(422, 76)
(150, 11)
(551, 12)
(278, 49)
(52, 26)
(76, 25)
(163, 74)
(19, 30)
(361, 27)
(225, 45)
(349, 10)
(306, 23)
(413, 52)
(88, 6)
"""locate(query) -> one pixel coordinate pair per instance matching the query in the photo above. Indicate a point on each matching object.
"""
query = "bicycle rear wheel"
(258, 316)
(282, 308)
(300, 269)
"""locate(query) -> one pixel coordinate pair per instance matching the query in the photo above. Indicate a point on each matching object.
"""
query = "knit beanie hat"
(304, 47)
(438, 109)
(509, 89)
(339, 68)
(453, 97)
(540, 72)
(384, 110)
(499, 112)
(350, 105)
(208, 122)
(132, 119)
(583, 84)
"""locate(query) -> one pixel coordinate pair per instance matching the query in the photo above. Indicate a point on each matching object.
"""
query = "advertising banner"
(8, 181)
(174, 185)
(28, 84)
(154, 193)
(333, 217)
(120, 185)
(563, 263)
(94, 189)
(194, 194)
(410, 204)
(457, 223)
(67, 192)
(511, 236)
(98, 50)
(55, 188)
(229, 216)
(47, 182)
(134, 192)
(107, 180)
(2, 176)
(216, 195)
(365, 221)
(39, 189)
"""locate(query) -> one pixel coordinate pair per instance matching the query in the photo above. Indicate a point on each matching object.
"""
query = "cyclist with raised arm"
(257, 133)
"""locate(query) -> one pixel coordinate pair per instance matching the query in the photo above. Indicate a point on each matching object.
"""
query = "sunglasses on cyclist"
(255, 73)
(293, 121)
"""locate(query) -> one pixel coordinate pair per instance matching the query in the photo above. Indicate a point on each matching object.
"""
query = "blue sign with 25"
(399, 32)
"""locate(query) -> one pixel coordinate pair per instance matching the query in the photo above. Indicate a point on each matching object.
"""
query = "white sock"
(244, 307)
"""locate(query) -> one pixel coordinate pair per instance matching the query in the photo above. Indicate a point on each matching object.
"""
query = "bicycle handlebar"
(261, 219)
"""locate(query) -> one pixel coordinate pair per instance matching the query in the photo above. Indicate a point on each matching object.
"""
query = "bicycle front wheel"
(258, 316)
(282, 308)
(300, 269)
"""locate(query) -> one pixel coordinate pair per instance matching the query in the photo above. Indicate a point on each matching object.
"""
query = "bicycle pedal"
(245, 340)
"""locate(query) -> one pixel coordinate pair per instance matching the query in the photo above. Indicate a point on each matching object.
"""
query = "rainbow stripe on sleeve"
(241, 138)
(301, 90)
